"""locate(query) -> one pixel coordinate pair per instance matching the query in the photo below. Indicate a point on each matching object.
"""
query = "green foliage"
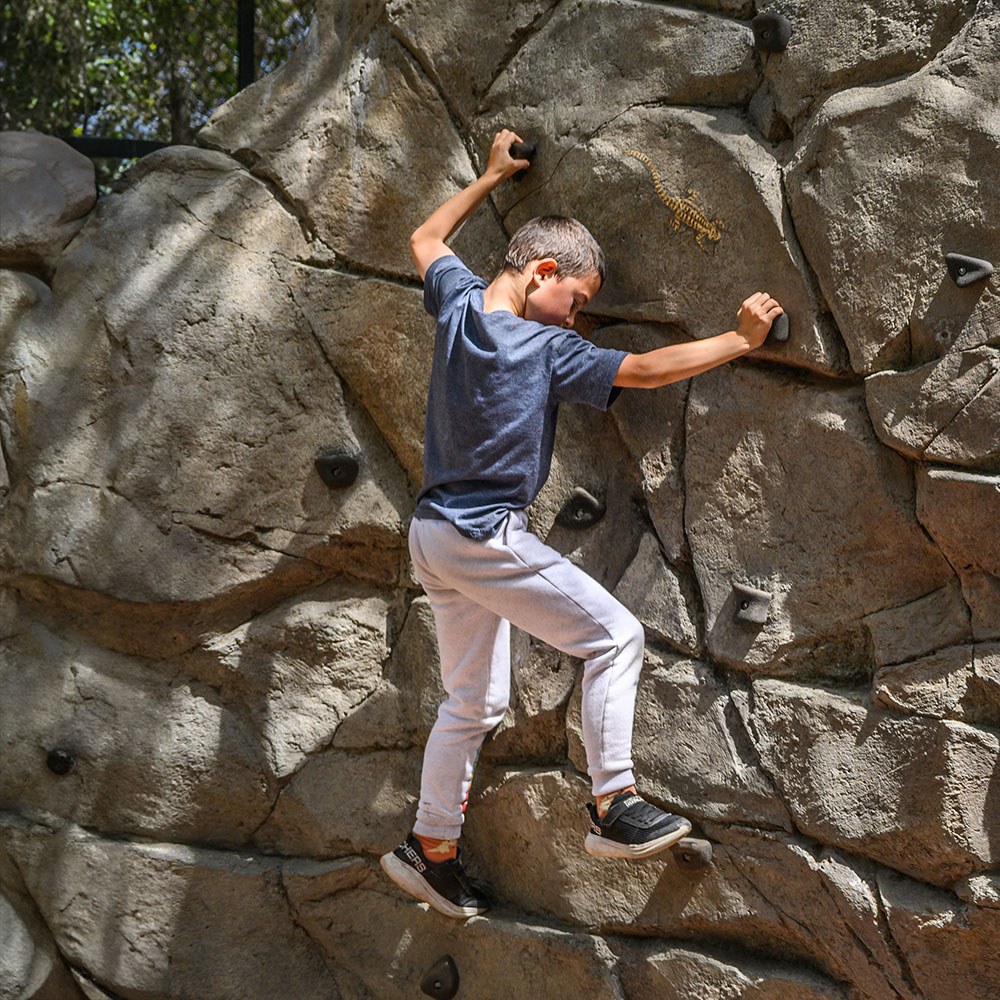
(142, 69)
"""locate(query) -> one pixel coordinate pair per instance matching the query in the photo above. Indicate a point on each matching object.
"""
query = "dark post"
(247, 71)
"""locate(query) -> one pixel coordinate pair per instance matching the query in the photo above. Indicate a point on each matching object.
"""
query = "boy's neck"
(508, 291)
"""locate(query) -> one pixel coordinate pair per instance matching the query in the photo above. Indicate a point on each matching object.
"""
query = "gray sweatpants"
(476, 590)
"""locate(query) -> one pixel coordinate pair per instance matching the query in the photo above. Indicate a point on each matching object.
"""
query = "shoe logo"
(414, 858)
(596, 829)
(632, 801)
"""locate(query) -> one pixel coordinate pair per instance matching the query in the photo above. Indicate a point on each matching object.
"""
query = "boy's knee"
(630, 636)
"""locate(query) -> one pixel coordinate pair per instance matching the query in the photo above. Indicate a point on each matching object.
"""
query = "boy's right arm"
(428, 241)
(681, 361)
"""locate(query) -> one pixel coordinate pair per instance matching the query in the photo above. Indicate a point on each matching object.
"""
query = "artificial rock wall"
(218, 673)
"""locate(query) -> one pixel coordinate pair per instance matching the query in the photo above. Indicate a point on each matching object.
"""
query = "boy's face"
(553, 299)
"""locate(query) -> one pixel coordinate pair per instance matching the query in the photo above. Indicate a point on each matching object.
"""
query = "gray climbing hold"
(771, 32)
(337, 470)
(967, 270)
(441, 981)
(60, 761)
(779, 328)
(751, 604)
(580, 511)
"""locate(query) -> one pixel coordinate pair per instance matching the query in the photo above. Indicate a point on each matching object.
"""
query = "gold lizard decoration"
(684, 209)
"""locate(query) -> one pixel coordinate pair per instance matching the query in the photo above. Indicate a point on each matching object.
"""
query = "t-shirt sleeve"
(582, 372)
(446, 278)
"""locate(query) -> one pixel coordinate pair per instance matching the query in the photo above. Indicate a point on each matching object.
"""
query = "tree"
(142, 69)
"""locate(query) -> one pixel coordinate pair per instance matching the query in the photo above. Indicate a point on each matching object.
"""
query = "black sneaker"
(632, 828)
(443, 884)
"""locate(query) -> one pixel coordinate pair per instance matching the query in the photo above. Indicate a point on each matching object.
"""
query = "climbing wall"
(217, 670)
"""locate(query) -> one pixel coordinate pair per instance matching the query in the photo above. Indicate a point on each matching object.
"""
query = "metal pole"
(247, 66)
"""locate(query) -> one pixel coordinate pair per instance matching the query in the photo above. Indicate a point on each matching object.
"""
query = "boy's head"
(563, 264)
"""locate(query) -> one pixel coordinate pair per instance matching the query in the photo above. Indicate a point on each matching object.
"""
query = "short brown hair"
(565, 240)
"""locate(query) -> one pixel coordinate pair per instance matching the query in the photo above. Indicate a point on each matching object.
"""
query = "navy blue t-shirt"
(496, 384)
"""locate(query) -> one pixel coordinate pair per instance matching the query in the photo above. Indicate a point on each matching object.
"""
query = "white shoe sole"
(603, 847)
(413, 882)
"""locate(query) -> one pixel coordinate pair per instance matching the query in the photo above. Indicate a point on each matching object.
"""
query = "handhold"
(751, 604)
(337, 470)
(60, 761)
(522, 151)
(779, 328)
(441, 980)
(580, 511)
(966, 270)
(771, 32)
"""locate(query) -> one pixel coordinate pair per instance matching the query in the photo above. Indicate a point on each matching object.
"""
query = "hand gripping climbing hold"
(441, 981)
(771, 32)
(751, 604)
(967, 270)
(60, 761)
(337, 470)
(779, 328)
(580, 511)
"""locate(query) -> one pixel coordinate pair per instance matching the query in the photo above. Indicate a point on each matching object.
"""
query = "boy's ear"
(543, 268)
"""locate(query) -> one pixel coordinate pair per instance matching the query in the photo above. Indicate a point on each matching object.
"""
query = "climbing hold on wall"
(522, 151)
(966, 270)
(580, 511)
(60, 761)
(751, 604)
(337, 470)
(771, 32)
(441, 980)
(779, 328)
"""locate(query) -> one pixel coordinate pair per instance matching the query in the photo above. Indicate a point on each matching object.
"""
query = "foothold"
(692, 853)
(522, 151)
(441, 980)
(337, 470)
(580, 511)
(967, 270)
(771, 32)
(779, 328)
(752, 604)
(60, 761)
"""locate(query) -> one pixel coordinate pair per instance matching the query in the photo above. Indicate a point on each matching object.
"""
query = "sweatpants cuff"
(611, 781)
(438, 832)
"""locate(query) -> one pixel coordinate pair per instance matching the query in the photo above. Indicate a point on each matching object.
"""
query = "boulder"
(859, 778)
(123, 745)
(790, 493)
(961, 511)
(46, 191)
(167, 922)
(875, 226)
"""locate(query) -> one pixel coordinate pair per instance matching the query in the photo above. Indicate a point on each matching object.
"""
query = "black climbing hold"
(580, 511)
(771, 32)
(779, 328)
(752, 604)
(522, 151)
(441, 980)
(337, 470)
(967, 270)
(60, 761)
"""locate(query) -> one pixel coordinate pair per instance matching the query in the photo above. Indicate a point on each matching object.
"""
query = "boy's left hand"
(755, 317)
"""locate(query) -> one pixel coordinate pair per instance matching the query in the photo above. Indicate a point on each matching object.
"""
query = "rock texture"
(218, 673)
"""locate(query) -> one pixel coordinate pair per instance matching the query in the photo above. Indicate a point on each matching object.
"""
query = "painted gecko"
(684, 209)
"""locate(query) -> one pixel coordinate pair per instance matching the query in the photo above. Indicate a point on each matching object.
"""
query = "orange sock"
(604, 801)
(437, 850)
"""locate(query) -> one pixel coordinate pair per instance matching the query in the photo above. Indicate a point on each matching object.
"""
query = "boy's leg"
(516, 577)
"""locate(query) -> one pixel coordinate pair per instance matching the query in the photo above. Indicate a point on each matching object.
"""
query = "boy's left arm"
(428, 241)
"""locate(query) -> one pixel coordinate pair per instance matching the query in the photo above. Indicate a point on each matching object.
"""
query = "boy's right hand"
(501, 163)
(755, 316)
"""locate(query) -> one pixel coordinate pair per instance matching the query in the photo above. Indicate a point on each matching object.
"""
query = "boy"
(505, 356)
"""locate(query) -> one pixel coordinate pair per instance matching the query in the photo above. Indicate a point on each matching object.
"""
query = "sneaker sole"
(604, 847)
(415, 884)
